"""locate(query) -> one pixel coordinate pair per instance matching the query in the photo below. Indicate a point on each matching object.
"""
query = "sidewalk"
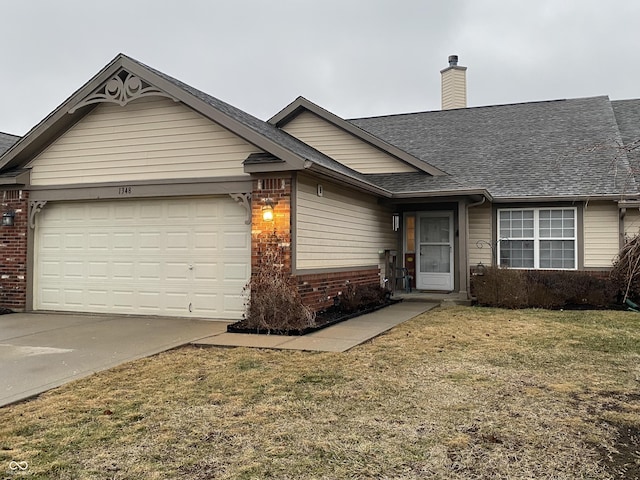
(337, 338)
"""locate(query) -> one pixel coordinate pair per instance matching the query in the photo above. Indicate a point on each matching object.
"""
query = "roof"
(295, 154)
(627, 114)
(6, 141)
(564, 148)
(301, 104)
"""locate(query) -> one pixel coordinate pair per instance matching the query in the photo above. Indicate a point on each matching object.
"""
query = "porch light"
(395, 222)
(8, 218)
(267, 210)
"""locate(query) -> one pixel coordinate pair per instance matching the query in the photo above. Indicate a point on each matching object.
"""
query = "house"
(142, 195)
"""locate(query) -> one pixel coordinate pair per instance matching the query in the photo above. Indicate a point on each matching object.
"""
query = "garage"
(181, 257)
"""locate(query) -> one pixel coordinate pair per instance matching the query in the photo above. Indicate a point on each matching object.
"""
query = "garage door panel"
(236, 272)
(98, 270)
(181, 257)
(123, 241)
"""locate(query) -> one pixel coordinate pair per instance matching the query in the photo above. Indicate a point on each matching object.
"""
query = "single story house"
(142, 195)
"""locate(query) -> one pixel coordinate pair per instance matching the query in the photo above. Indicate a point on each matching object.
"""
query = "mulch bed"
(324, 319)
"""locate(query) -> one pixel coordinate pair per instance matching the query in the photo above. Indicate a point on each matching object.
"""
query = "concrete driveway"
(40, 351)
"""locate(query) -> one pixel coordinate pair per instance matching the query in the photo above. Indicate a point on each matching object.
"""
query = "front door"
(435, 251)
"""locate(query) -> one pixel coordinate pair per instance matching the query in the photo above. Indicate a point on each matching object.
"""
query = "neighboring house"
(142, 195)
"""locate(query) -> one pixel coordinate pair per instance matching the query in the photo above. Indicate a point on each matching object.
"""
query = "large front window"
(537, 238)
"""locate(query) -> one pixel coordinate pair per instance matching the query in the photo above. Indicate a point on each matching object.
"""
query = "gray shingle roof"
(407, 183)
(6, 141)
(564, 148)
(627, 114)
(269, 131)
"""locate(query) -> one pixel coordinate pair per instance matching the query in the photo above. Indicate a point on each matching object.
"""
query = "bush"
(358, 297)
(626, 270)
(507, 288)
(274, 303)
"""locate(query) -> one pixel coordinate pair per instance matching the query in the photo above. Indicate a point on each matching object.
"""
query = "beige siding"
(601, 239)
(632, 222)
(480, 231)
(149, 139)
(343, 228)
(454, 89)
(342, 146)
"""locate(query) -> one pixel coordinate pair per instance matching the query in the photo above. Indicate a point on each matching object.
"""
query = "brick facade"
(265, 233)
(319, 289)
(13, 251)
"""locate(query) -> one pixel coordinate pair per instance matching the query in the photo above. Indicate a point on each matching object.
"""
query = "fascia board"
(295, 161)
(444, 193)
(300, 104)
(59, 119)
(23, 178)
(569, 198)
(346, 180)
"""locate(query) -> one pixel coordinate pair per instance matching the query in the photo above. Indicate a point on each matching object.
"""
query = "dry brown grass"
(457, 393)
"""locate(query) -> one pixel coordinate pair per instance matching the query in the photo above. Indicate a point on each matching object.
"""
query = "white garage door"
(179, 257)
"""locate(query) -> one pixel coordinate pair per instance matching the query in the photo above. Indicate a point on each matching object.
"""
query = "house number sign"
(124, 191)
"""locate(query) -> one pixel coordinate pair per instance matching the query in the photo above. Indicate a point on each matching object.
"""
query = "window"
(537, 238)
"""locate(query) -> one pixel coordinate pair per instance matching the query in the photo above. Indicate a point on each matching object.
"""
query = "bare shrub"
(274, 303)
(626, 270)
(356, 297)
(507, 288)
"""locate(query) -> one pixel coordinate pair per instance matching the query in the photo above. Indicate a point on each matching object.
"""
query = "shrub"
(625, 274)
(274, 303)
(356, 297)
(507, 288)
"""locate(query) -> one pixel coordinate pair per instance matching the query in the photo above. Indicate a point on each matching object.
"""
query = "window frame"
(536, 237)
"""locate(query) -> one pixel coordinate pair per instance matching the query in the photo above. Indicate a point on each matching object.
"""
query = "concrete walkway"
(337, 338)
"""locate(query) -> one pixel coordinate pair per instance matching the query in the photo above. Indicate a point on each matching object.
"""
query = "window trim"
(536, 237)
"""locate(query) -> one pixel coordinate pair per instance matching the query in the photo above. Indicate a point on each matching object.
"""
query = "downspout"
(466, 219)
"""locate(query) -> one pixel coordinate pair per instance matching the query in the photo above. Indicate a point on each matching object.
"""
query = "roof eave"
(22, 179)
(59, 120)
(557, 198)
(347, 180)
(300, 104)
(444, 193)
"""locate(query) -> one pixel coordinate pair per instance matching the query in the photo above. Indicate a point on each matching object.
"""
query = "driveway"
(40, 351)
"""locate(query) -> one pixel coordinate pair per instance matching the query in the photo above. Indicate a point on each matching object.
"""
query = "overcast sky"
(355, 58)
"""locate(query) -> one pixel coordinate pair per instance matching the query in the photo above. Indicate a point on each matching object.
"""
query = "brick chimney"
(454, 85)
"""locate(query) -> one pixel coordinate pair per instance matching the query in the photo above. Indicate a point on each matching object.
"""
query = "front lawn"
(456, 393)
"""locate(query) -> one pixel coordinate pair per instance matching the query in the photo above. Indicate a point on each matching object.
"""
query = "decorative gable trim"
(122, 88)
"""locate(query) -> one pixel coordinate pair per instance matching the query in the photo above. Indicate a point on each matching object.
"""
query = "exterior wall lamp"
(8, 218)
(267, 210)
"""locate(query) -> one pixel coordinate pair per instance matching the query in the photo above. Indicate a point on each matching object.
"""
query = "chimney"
(454, 85)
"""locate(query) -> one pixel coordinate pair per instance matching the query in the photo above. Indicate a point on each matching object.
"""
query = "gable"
(342, 146)
(151, 138)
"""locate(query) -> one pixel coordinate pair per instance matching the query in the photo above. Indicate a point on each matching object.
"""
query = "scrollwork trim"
(243, 199)
(122, 88)
(35, 207)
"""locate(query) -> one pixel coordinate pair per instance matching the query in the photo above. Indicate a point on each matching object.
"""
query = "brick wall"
(13, 251)
(318, 289)
(264, 234)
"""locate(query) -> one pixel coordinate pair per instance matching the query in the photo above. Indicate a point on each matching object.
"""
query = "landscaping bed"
(324, 319)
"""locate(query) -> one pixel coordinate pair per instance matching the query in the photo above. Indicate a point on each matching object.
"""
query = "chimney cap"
(453, 60)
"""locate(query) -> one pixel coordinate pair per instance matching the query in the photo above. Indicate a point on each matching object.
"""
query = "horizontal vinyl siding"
(148, 139)
(342, 228)
(480, 230)
(631, 222)
(601, 240)
(454, 93)
(342, 146)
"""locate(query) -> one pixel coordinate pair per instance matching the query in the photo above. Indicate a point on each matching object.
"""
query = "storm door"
(435, 251)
